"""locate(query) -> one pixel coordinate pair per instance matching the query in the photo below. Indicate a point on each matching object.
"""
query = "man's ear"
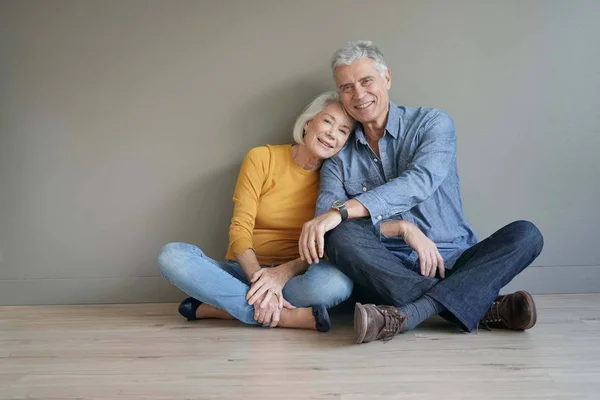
(388, 79)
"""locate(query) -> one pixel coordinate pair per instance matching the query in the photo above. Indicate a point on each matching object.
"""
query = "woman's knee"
(172, 258)
(321, 284)
(339, 288)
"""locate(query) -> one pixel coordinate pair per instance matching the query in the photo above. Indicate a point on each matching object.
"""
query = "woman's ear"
(305, 126)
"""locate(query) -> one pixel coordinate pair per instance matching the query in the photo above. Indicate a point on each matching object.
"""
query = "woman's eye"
(327, 121)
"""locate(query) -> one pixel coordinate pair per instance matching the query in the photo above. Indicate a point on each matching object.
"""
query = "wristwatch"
(340, 205)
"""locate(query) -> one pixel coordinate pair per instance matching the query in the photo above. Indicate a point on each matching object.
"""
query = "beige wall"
(123, 124)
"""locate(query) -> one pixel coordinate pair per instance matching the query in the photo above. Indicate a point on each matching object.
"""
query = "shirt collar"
(392, 126)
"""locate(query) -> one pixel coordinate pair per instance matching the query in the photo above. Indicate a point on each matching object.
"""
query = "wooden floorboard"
(146, 351)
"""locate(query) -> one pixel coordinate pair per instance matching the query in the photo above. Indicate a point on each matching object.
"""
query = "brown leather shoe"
(373, 322)
(512, 311)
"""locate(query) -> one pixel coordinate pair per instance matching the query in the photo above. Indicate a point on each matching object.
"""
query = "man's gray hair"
(315, 107)
(356, 50)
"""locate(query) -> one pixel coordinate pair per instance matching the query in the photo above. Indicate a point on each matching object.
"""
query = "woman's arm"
(292, 268)
(248, 262)
(252, 177)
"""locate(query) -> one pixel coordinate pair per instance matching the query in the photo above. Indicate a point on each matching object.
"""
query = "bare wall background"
(123, 124)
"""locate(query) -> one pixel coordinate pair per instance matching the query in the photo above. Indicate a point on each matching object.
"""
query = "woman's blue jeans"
(223, 284)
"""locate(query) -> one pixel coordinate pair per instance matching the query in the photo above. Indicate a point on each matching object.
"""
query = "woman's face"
(328, 131)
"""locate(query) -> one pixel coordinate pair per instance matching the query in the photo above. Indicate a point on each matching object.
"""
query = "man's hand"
(430, 259)
(312, 238)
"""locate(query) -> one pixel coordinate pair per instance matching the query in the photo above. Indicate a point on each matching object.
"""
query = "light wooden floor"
(148, 352)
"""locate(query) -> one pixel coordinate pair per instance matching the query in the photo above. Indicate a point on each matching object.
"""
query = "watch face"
(338, 203)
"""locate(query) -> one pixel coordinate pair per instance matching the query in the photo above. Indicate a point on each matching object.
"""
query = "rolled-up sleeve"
(429, 167)
(331, 186)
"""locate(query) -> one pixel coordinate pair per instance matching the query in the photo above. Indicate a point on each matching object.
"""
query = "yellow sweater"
(273, 198)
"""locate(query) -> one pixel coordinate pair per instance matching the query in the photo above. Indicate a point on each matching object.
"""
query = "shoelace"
(392, 322)
(490, 317)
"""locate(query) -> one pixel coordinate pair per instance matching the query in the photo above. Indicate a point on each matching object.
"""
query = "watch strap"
(343, 211)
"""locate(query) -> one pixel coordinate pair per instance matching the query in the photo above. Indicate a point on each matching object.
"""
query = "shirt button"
(379, 217)
(375, 160)
(364, 189)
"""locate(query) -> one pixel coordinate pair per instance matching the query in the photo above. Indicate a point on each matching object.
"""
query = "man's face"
(364, 91)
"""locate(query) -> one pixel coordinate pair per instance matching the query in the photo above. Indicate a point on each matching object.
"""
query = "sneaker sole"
(360, 322)
(531, 304)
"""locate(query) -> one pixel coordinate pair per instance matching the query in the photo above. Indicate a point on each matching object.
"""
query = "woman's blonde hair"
(315, 107)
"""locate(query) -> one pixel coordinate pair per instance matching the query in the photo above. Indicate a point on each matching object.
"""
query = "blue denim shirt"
(415, 179)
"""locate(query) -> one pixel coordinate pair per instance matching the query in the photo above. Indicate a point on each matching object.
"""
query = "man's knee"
(526, 235)
(348, 233)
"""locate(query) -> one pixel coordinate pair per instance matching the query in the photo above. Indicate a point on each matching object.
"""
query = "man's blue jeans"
(470, 286)
(225, 285)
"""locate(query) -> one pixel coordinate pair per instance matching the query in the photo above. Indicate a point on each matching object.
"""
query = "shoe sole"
(531, 304)
(360, 322)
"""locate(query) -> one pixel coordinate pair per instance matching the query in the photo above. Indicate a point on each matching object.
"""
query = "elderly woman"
(263, 280)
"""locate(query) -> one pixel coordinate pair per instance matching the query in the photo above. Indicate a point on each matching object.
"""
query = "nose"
(329, 132)
(359, 92)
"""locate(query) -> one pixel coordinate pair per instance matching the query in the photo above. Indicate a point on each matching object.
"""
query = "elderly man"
(389, 215)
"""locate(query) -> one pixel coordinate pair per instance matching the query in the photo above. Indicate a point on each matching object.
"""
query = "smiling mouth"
(364, 105)
(325, 144)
